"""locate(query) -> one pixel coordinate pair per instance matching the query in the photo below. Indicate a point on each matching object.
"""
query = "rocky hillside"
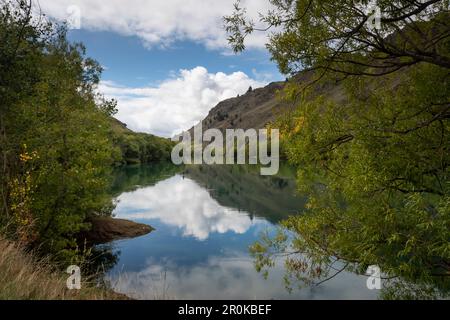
(261, 106)
(253, 110)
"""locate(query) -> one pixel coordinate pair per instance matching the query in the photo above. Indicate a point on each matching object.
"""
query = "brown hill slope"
(253, 110)
(261, 106)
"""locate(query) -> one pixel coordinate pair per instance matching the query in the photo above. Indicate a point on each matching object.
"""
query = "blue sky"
(128, 62)
(166, 62)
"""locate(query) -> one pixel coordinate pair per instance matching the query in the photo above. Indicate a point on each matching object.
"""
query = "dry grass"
(23, 277)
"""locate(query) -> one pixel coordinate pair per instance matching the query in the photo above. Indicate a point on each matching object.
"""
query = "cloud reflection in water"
(182, 203)
(208, 258)
(231, 277)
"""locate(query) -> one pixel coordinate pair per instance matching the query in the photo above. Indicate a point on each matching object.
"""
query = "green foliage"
(376, 169)
(138, 148)
(372, 152)
(48, 110)
(342, 36)
(58, 141)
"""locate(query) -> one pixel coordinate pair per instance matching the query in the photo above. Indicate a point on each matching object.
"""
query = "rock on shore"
(107, 229)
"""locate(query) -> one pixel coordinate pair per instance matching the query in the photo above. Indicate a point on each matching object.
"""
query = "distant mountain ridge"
(254, 109)
(136, 147)
(259, 107)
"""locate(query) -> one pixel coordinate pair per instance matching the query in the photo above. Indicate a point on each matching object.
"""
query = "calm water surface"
(205, 219)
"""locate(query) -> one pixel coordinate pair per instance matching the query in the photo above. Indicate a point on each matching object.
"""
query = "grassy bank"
(24, 277)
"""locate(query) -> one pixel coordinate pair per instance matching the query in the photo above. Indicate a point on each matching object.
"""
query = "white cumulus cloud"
(178, 103)
(159, 23)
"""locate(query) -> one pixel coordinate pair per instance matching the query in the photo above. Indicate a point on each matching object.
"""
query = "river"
(205, 219)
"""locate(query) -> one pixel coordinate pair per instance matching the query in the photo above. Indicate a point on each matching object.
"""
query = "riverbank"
(25, 277)
(107, 229)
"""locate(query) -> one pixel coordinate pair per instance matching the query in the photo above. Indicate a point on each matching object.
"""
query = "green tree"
(58, 140)
(341, 36)
(55, 142)
(370, 138)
